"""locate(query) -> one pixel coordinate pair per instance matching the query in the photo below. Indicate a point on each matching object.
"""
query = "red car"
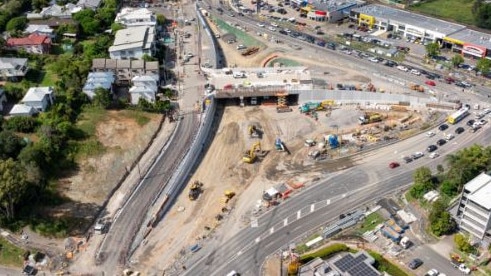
(393, 165)
(430, 83)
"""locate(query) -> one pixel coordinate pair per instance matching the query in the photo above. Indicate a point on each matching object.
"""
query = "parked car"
(241, 47)
(471, 122)
(402, 68)
(393, 165)
(430, 83)
(407, 159)
(443, 127)
(430, 134)
(415, 72)
(415, 263)
(432, 272)
(432, 148)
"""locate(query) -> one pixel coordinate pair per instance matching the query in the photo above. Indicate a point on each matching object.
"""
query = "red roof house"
(34, 43)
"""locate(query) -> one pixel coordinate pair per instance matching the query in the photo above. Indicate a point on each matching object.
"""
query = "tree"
(483, 16)
(161, 19)
(457, 60)
(17, 24)
(13, 186)
(432, 49)
(102, 97)
(39, 4)
(483, 65)
(90, 25)
(423, 182)
(462, 243)
(116, 27)
(21, 124)
(443, 225)
(10, 144)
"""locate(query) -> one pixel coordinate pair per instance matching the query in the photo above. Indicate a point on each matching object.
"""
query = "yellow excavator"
(250, 155)
(254, 131)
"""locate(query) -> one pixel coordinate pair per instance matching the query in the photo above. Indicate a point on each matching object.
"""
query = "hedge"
(382, 264)
(325, 252)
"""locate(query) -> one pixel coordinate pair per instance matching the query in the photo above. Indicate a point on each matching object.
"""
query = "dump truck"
(391, 234)
(195, 190)
(369, 118)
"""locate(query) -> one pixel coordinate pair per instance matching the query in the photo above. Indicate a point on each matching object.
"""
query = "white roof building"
(474, 210)
(89, 4)
(98, 80)
(65, 11)
(39, 97)
(22, 110)
(13, 67)
(133, 43)
(132, 17)
(144, 87)
(40, 30)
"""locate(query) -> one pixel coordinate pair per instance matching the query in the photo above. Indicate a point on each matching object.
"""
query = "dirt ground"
(123, 139)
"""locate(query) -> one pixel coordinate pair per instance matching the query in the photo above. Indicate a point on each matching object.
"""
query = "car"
(430, 76)
(441, 142)
(432, 272)
(415, 263)
(283, 32)
(449, 80)
(432, 148)
(417, 155)
(271, 28)
(434, 155)
(415, 72)
(449, 136)
(482, 122)
(241, 47)
(470, 122)
(443, 127)
(373, 59)
(459, 130)
(459, 84)
(430, 83)
(407, 159)
(261, 25)
(474, 129)
(393, 165)
(274, 25)
(29, 270)
(402, 68)
(430, 134)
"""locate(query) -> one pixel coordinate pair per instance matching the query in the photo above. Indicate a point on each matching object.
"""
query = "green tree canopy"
(13, 185)
(423, 182)
(17, 24)
(102, 98)
(462, 243)
(10, 144)
(483, 65)
(432, 49)
(457, 60)
(483, 16)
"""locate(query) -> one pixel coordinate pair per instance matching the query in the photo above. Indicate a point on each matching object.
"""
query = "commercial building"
(359, 264)
(410, 25)
(469, 43)
(474, 209)
(133, 43)
(327, 10)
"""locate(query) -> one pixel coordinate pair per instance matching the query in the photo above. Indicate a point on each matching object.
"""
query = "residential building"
(22, 110)
(144, 87)
(34, 43)
(133, 43)
(3, 98)
(89, 4)
(98, 80)
(13, 68)
(57, 11)
(132, 17)
(349, 264)
(474, 210)
(125, 70)
(40, 98)
(40, 30)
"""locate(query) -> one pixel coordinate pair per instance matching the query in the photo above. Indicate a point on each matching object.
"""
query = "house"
(98, 80)
(144, 87)
(3, 98)
(132, 17)
(474, 209)
(34, 43)
(40, 30)
(133, 43)
(89, 4)
(22, 110)
(57, 11)
(125, 70)
(13, 68)
(40, 98)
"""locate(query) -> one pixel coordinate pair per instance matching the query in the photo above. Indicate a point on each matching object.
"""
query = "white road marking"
(239, 253)
(299, 214)
(285, 222)
(312, 208)
(343, 196)
(271, 231)
(254, 223)
(258, 239)
(328, 202)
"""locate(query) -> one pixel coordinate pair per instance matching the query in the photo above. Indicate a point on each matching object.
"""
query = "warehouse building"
(469, 43)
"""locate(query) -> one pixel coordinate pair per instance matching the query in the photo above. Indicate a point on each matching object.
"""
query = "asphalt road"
(115, 246)
(358, 186)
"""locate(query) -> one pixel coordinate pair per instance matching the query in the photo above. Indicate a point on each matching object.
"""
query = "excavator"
(228, 196)
(195, 190)
(255, 151)
(254, 131)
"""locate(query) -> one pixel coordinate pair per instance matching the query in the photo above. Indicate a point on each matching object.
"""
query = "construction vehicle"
(370, 118)
(251, 155)
(254, 131)
(417, 87)
(310, 106)
(332, 140)
(195, 190)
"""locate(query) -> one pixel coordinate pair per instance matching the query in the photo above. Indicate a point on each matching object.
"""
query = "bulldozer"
(251, 155)
(195, 190)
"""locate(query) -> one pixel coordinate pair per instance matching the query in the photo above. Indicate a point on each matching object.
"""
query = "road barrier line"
(299, 214)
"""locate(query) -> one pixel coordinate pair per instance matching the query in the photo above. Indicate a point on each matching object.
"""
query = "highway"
(361, 185)
(114, 248)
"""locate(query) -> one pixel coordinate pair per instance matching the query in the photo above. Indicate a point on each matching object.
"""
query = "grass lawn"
(455, 10)
(138, 116)
(242, 37)
(284, 61)
(370, 222)
(49, 77)
(10, 255)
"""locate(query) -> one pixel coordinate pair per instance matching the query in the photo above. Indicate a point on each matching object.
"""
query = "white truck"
(462, 267)
(405, 242)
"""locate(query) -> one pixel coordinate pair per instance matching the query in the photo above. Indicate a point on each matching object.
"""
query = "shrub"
(324, 252)
(383, 265)
(22, 124)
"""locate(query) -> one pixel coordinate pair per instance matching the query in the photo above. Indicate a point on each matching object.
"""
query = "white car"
(415, 72)
(402, 68)
(432, 272)
(241, 47)
(449, 136)
(271, 28)
(430, 134)
(417, 155)
(261, 25)
(373, 59)
(274, 24)
(434, 155)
